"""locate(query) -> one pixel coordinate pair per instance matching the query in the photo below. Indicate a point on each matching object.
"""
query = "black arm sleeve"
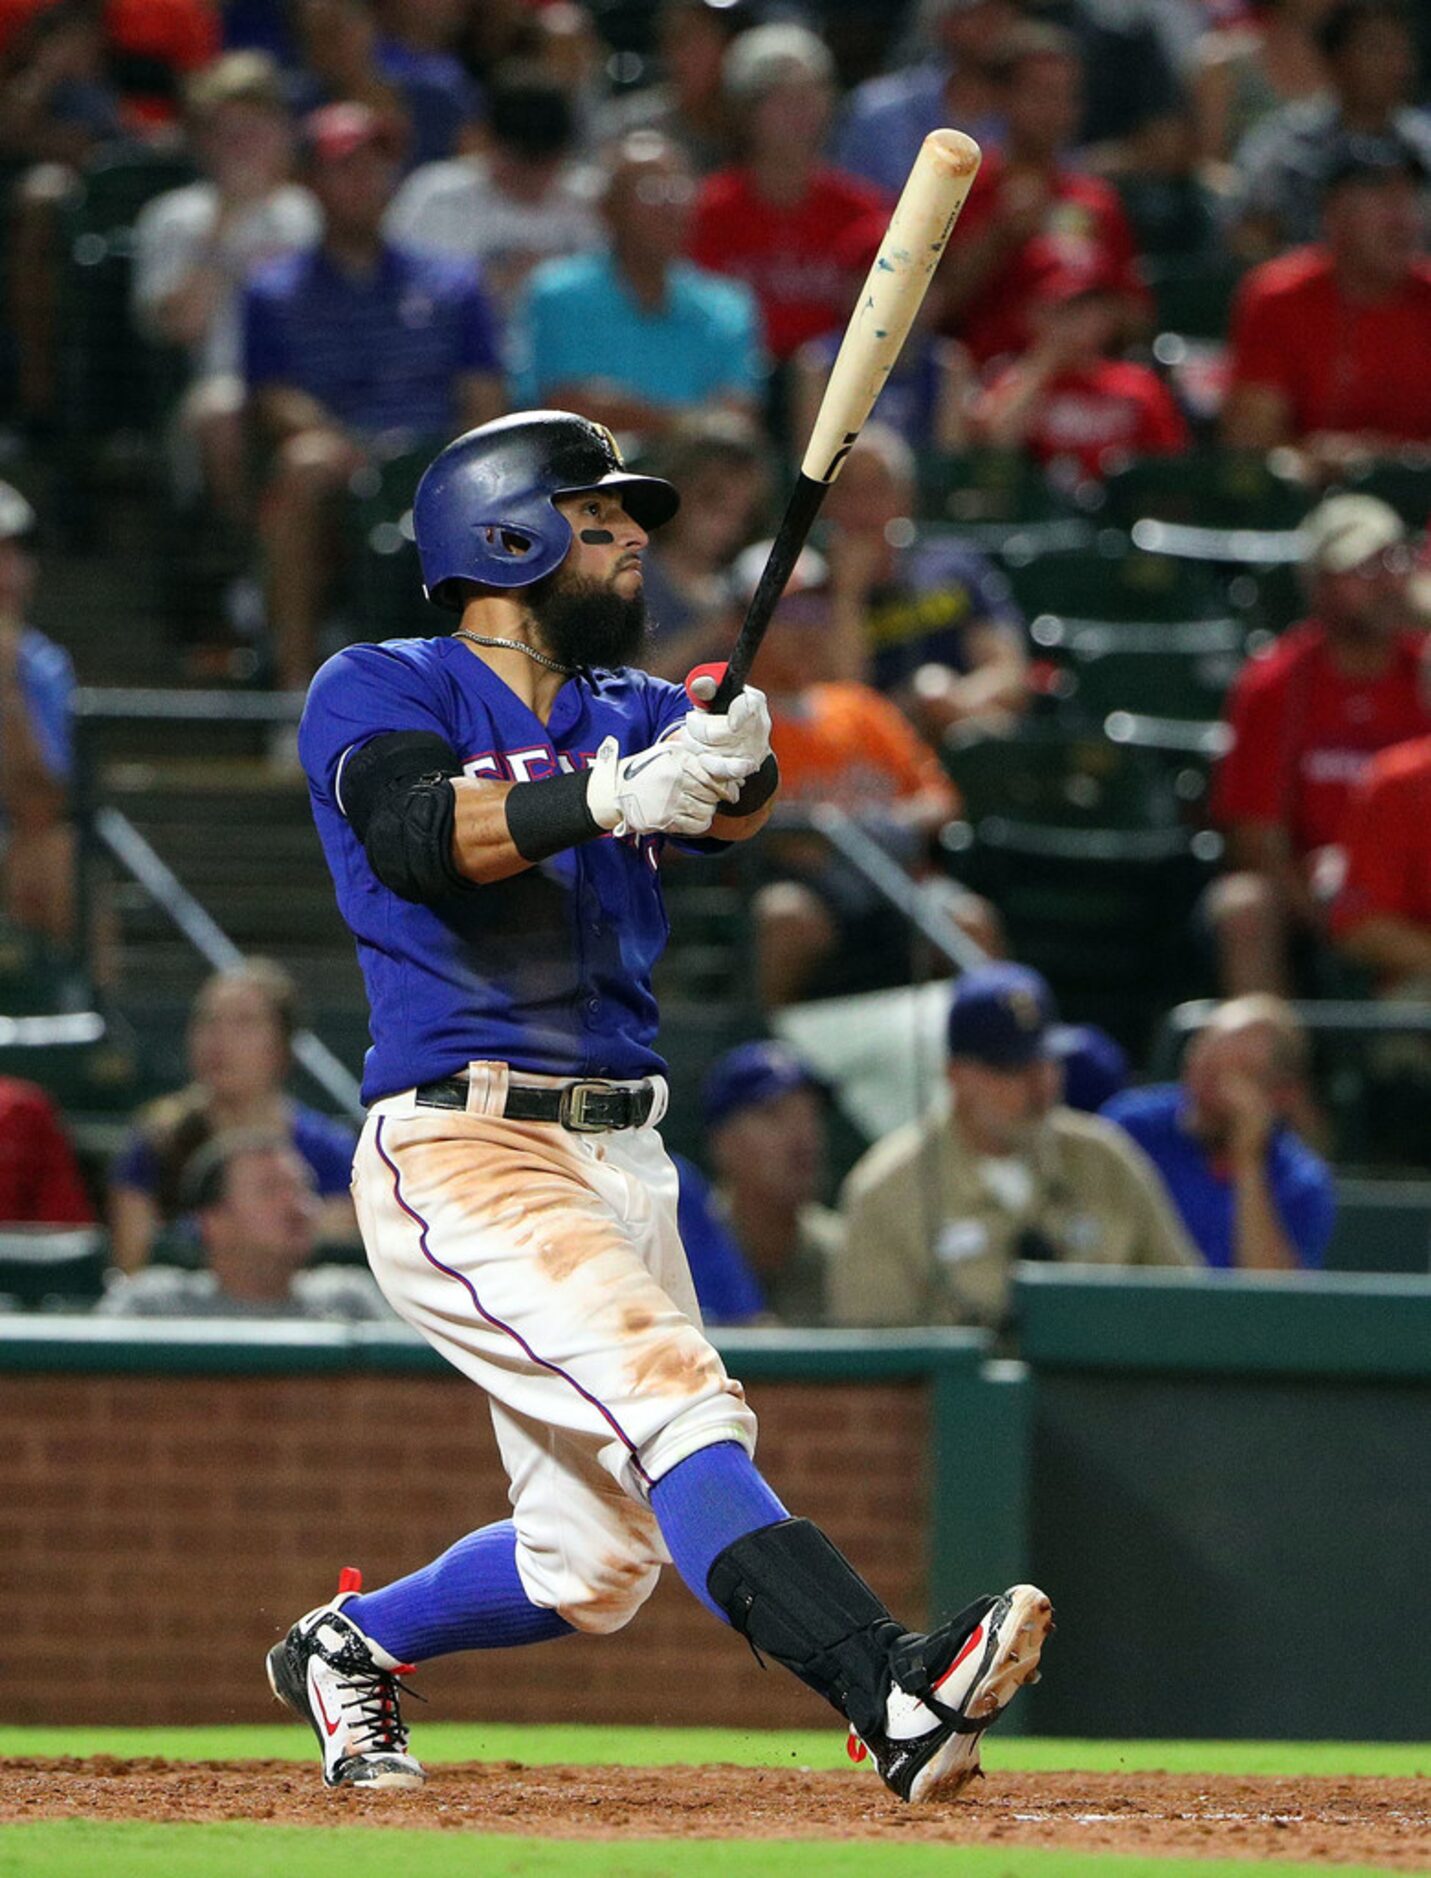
(398, 800)
(756, 790)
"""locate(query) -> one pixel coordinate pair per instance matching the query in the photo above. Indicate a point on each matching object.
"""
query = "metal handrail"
(1242, 547)
(911, 899)
(128, 704)
(212, 943)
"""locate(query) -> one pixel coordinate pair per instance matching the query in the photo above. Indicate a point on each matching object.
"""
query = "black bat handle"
(800, 512)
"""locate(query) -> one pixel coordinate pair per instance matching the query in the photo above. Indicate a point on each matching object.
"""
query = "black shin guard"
(788, 1590)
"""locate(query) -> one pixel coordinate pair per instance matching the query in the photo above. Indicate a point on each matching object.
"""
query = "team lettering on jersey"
(529, 764)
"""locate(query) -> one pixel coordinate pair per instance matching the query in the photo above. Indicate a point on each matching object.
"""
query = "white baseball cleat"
(949, 1687)
(345, 1687)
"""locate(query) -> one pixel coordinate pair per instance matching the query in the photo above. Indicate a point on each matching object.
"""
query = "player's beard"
(587, 622)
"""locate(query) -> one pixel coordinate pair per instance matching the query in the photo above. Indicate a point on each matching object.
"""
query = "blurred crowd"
(1196, 249)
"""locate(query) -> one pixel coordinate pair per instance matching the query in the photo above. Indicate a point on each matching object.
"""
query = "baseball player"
(494, 804)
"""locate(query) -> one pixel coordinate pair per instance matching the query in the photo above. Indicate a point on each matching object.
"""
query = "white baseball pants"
(547, 1266)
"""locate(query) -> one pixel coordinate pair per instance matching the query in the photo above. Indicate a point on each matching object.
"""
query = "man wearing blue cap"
(937, 1214)
(760, 1243)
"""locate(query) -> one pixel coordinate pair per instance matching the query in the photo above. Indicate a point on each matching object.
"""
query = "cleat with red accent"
(950, 1686)
(345, 1686)
(856, 1748)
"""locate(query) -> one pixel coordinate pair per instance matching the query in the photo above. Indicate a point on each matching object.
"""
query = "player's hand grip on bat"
(670, 789)
(742, 735)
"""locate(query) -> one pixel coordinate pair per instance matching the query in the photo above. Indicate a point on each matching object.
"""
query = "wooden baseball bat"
(924, 217)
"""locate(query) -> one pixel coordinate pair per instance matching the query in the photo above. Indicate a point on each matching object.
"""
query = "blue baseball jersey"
(550, 970)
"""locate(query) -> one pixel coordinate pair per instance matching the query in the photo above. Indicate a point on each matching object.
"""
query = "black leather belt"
(586, 1108)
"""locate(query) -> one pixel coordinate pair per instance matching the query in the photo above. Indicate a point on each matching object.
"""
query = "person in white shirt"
(194, 246)
(519, 201)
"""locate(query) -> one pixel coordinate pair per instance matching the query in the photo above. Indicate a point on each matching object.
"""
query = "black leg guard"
(788, 1590)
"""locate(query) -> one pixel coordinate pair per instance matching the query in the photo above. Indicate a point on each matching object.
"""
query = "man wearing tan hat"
(938, 1213)
(1307, 716)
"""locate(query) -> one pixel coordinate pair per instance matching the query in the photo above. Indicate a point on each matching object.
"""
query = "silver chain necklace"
(518, 645)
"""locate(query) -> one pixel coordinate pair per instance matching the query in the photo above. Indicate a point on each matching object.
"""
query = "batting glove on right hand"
(741, 736)
(666, 790)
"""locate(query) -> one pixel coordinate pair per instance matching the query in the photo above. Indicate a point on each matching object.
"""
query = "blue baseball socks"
(472, 1598)
(469, 1599)
(708, 1501)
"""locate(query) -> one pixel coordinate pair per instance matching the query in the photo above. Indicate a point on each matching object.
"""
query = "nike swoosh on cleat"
(971, 1645)
(331, 1726)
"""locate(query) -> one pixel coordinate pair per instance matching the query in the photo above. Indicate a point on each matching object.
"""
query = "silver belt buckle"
(571, 1107)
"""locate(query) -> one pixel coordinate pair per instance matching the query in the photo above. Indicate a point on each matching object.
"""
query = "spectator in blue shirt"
(403, 61)
(887, 118)
(1251, 1193)
(354, 352)
(759, 1241)
(635, 336)
(36, 683)
(1132, 118)
(240, 1052)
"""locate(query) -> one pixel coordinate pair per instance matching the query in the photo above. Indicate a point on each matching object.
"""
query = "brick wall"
(157, 1535)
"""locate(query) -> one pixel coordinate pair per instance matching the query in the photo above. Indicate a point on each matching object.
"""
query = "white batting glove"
(666, 790)
(741, 737)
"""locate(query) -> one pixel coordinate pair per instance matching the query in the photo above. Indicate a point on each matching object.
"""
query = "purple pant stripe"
(496, 1322)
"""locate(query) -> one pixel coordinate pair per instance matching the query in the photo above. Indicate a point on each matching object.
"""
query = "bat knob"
(704, 681)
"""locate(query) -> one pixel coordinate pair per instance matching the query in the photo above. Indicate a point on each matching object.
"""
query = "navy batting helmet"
(484, 510)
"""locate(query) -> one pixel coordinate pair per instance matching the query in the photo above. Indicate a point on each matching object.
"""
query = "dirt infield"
(1339, 1821)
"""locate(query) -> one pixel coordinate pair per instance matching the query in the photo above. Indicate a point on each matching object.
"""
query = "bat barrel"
(912, 248)
(913, 245)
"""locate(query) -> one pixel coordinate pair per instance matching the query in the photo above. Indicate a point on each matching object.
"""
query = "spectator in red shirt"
(1330, 343)
(1307, 716)
(776, 220)
(1030, 217)
(1067, 401)
(40, 1183)
(1382, 917)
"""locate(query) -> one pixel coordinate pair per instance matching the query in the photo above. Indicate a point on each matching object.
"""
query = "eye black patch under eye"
(597, 537)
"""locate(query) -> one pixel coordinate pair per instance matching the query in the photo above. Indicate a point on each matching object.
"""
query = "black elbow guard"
(398, 800)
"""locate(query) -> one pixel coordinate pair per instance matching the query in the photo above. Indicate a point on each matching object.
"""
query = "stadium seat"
(1105, 913)
(111, 379)
(1112, 580)
(988, 489)
(1382, 1226)
(80, 1059)
(1207, 489)
(1172, 216)
(1194, 297)
(1179, 669)
(1046, 774)
(384, 576)
(49, 1266)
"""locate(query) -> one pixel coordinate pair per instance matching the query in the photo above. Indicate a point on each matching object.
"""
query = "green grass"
(657, 1747)
(77, 1849)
